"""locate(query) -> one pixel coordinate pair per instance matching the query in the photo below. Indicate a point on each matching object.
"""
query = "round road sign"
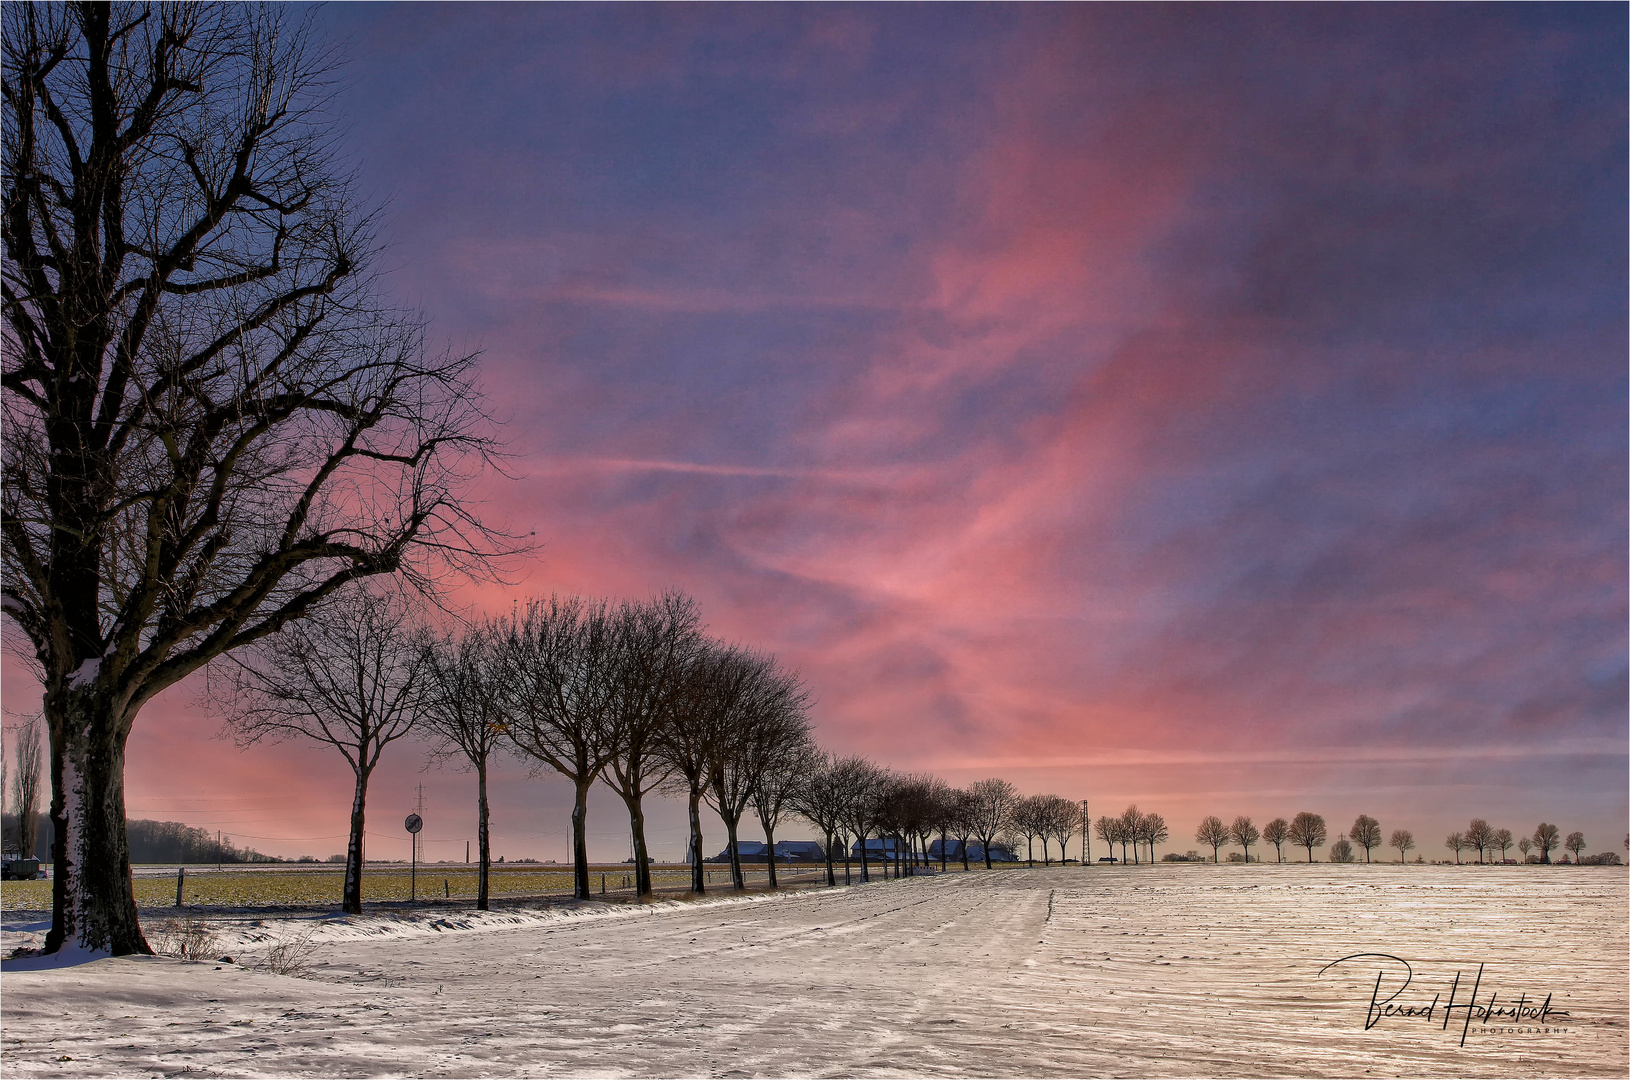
(413, 823)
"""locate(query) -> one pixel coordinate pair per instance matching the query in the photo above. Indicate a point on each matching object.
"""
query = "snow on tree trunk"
(92, 897)
(351, 903)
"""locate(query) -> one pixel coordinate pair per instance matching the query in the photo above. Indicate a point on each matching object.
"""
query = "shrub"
(291, 955)
(188, 939)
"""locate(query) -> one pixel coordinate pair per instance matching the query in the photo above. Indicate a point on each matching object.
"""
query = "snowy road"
(1134, 971)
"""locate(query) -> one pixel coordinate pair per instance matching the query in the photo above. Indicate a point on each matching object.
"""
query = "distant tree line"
(1308, 830)
(156, 842)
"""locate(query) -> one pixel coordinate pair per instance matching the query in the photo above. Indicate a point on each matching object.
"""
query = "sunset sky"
(1221, 409)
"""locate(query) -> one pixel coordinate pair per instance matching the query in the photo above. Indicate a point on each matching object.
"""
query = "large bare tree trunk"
(351, 904)
(698, 875)
(769, 844)
(580, 839)
(737, 880)
(483, 840)
(642, 858)
(92, 898)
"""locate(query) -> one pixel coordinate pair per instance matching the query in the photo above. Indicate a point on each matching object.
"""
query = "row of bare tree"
(632, 694)
(851, 799)
(1134, 828)
(1308, 830)
(629, 693)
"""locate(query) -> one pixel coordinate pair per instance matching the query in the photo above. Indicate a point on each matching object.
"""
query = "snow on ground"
(1125, 971)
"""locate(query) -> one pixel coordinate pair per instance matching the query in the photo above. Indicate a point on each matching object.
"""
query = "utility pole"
(1086, 834)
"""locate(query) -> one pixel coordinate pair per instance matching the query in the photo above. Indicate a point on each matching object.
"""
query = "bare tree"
(1063, 815)
(1456, 842)
(1028, 818)
(653, 644)
(352, 676)
(1109, 831)
(863, 784)
(25, 784)
(960, 821)
(933, 813)
(1307, 830)
(562, 660)
(1576, 844)
(1523, 846)
(991, 802)
(1502, 840)
(1152, 830)
(819, 798)
(1131, 828)
(1545, 838)
(1212, 831)
(764, 713)
(1276, 832)
(689, 743)
(1403, 840)
(1244, 833)
(210, 423)
(463, 711)
(1366, 833)
(1480, 835)
(789, 757)
(1342, 850)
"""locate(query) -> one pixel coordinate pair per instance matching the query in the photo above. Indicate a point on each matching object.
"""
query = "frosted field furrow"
(1127, 971)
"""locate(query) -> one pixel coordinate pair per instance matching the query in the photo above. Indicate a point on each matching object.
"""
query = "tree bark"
(351, 903)
(580, 838)
(93, 900)
(642, 859)
(769, 844)
(831, 871)
(698, 876)
(482, 894)
(737, 881)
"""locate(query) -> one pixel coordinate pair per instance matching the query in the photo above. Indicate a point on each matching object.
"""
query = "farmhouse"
(786, 851)
(976, 851)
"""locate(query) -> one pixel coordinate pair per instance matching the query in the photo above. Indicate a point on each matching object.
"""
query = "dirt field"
(298, 885)
(1134, 971)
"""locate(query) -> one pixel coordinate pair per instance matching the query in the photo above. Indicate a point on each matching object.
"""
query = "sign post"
(413, 824)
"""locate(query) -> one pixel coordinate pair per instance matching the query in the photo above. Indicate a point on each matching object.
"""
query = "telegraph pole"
(1086, 834)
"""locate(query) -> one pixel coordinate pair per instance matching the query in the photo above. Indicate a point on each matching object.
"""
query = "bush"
(1172, 856)
(189, 939)
(1341, 851)
(1606, 858)
(291, 955)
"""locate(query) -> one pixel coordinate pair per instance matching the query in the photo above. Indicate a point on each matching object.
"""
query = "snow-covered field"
(1126, 971)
